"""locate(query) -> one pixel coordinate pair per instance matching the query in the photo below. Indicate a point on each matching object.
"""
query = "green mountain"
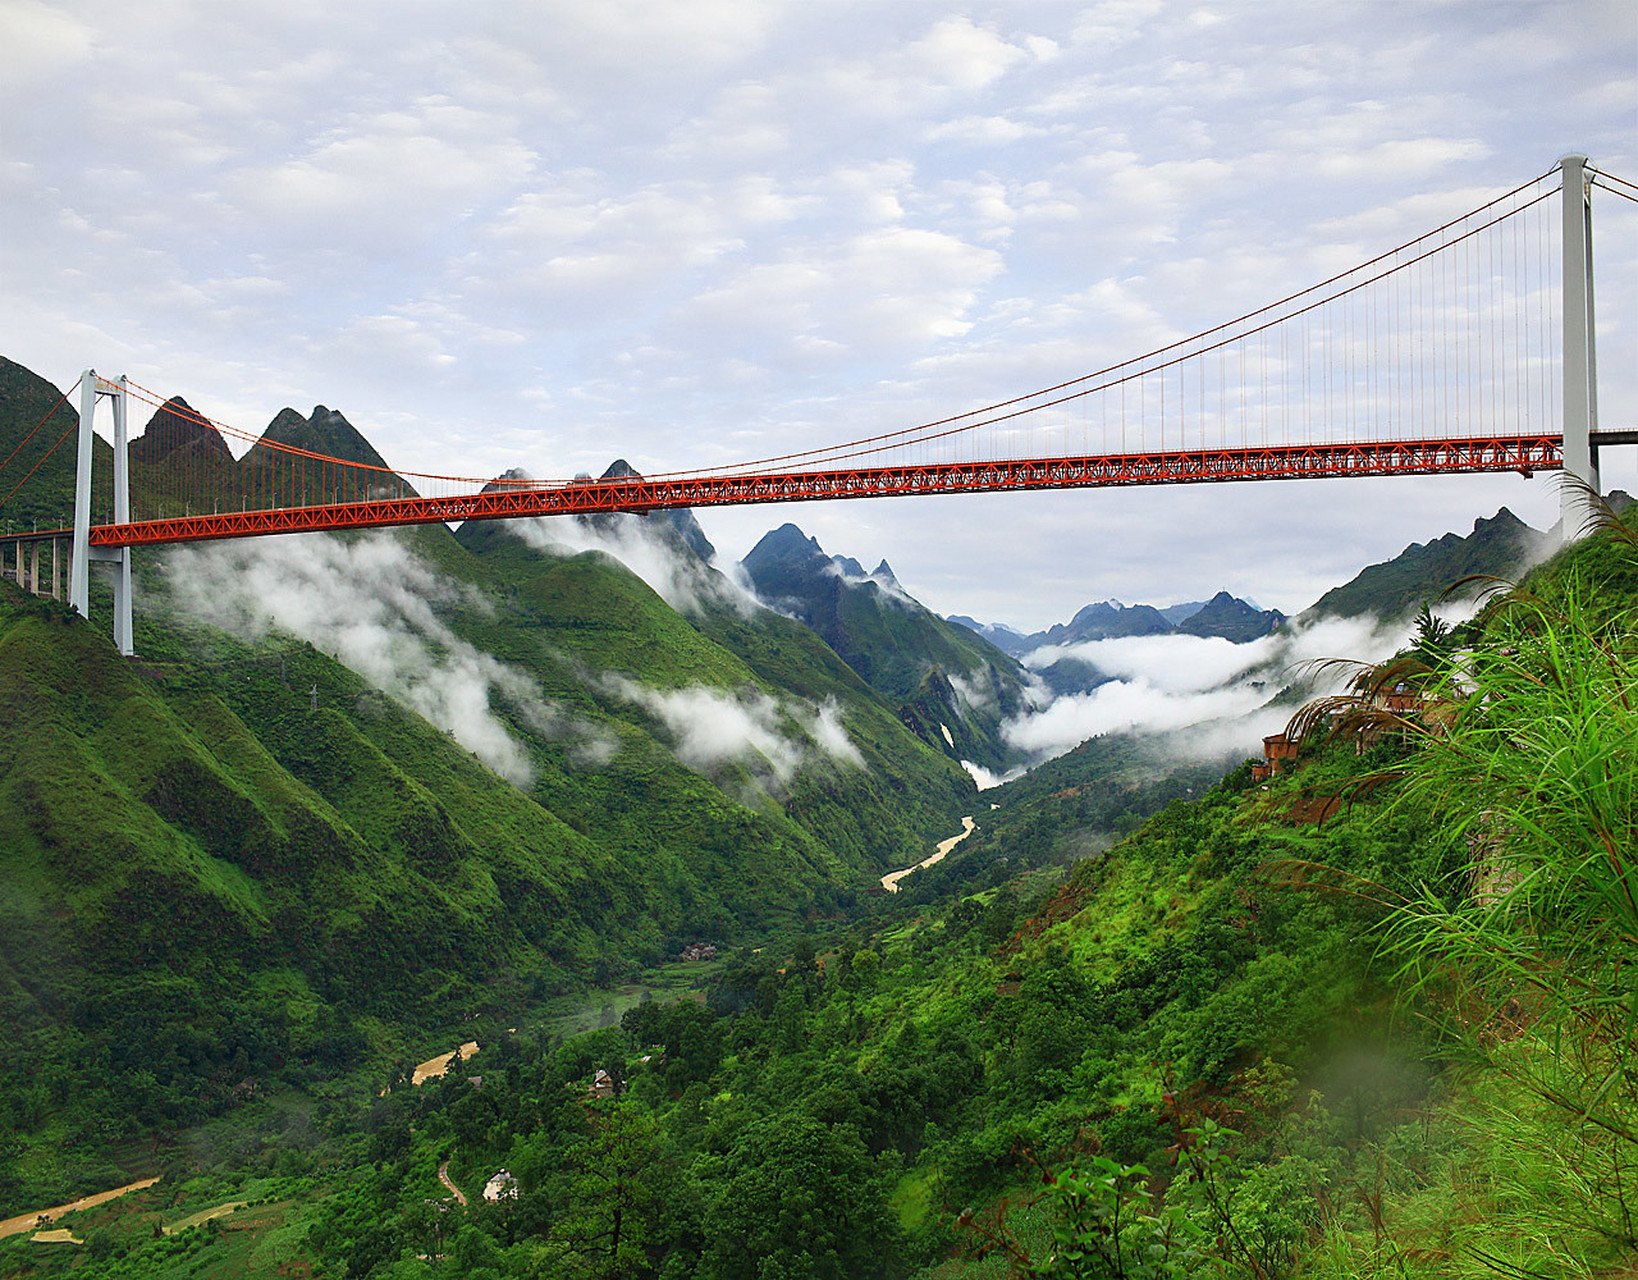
(176, 436)
(1231, 619)
(593, 633)
(1105, 620)
(677, 526)
(324, 431)
(1502, 546)
(953, 688)
(37, 430)
(236, 859)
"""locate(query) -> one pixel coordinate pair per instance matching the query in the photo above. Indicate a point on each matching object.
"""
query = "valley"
(397, 863)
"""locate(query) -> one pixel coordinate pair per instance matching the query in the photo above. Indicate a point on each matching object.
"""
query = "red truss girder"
(1287, 462)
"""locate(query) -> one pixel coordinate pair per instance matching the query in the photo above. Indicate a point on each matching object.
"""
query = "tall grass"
(1526, 963)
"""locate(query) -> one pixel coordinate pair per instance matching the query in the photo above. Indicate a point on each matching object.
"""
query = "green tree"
(614, 1193)
(866, 969)
(799, 1199)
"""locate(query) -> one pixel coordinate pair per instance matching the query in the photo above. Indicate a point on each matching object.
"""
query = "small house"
(502, 1186)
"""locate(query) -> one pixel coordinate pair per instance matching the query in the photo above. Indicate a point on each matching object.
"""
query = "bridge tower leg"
(79, 558)
(79, 564)
(122, 515)
(1580, 348)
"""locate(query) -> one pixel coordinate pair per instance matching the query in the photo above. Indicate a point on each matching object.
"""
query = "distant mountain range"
(1223, 615)
(1500, 546)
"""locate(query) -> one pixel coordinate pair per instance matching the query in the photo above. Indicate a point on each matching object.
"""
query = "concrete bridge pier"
(25, 570)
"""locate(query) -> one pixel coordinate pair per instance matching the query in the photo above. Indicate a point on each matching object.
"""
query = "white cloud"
(393, 177)
(986, 779)
(1165, 683)
(982, 129)
(884, 582)
(975, 692)
(1173, 663)
(372, 604)
(744, 124)
(1119, 707)
(681, 580)
(827, 730)
(568, 250)
(895, 287)
(710, 728)
(1402, 156)
(954, 59)
(959, 53)
(1110, 24)
(41, 43)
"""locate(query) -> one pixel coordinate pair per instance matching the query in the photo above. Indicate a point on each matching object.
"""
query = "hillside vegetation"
(235, 864)
(1240, 1042)
(1371, 1017)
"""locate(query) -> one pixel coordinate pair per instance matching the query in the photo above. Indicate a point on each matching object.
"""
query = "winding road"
(443, 1177)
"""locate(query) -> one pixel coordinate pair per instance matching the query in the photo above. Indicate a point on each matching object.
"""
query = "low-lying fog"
(1169, 682)
(371, 602)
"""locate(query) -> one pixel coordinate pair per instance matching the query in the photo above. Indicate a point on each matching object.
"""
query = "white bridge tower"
(93, 389)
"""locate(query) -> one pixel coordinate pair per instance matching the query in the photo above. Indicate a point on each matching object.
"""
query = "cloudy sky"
(695, 231)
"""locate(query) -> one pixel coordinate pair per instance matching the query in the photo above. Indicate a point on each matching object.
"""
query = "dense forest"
(1373, 1016)
(329, 972)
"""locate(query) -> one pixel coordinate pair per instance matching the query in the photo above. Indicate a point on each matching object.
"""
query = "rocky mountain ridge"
(1501, 546)
(955, 689)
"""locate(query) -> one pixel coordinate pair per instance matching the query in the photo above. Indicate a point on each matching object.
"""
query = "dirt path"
(443, 1177)
(432, 1068)
(890, 881)
(204, 1215)
(28, 1221)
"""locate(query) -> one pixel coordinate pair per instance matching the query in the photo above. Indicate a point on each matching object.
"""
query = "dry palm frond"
(1367, 710)
(1601, 518)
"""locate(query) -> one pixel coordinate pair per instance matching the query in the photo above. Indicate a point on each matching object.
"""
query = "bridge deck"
(1525, 454)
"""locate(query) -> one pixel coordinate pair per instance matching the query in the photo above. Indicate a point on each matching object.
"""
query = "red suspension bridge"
(1468, 349)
